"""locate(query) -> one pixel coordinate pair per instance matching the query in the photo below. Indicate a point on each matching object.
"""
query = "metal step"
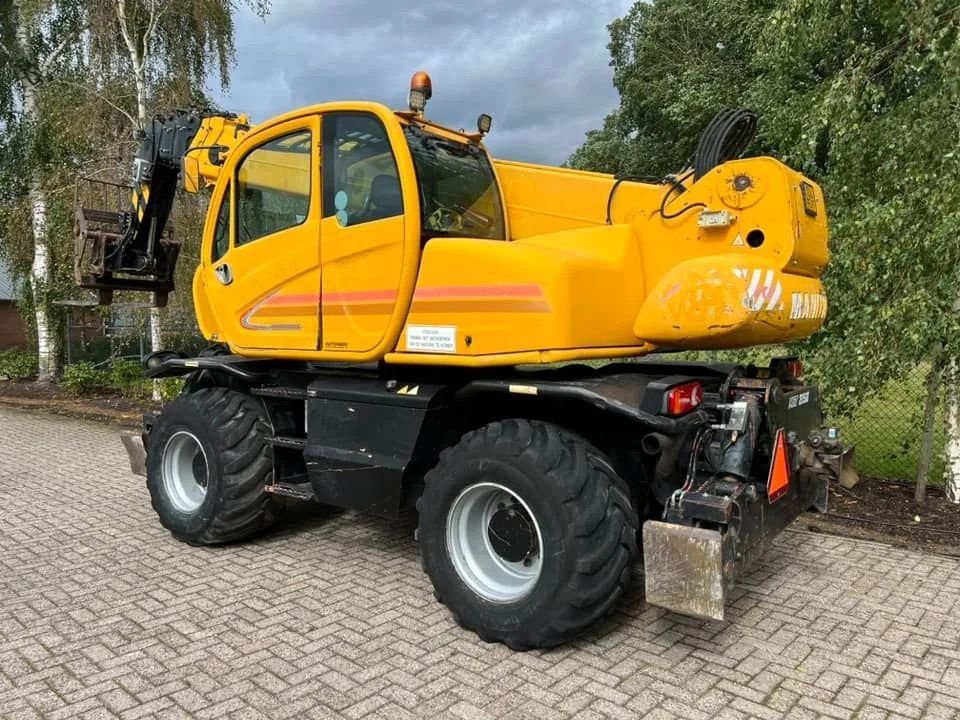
(287, 442)
(297, 491)
(288, 393)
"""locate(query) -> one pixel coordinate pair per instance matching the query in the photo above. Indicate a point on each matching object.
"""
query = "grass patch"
(887, 431)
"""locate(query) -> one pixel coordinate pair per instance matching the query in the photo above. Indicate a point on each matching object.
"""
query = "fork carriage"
(104, 233)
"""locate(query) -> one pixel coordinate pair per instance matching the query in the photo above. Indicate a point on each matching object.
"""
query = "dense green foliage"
(120, 377)
(862, 96)
(16, 364)
(126, 376)
(84, 378)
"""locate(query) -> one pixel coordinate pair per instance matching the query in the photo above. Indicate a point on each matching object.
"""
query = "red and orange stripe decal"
(441, 299)
(480, 298)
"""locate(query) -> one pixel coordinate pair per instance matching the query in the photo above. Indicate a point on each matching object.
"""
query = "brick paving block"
(871, 712)
(896, 708)
(936, 711)
(176, 713)
(644, 701)
(365, 707)
(850, 697)
(26, 713)
(782, 700)
(827, 710)
(615, 711)
(100, 713)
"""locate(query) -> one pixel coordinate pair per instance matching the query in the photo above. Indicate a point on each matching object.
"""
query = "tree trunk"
(929, 423)
(41, 273)
(138, 48)
(953, 432)
(48, 350)
(141, 99)
(156, 343)
(952, 451)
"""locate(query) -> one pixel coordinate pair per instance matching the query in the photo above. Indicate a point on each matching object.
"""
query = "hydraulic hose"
(725, 138)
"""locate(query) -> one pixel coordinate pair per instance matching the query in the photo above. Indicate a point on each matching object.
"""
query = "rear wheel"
(527, 533)
(207, 467)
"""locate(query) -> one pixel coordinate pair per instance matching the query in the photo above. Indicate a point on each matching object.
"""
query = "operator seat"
(384, 200)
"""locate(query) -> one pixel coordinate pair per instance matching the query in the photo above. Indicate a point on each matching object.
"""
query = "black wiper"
(433, 142)
(459, 149)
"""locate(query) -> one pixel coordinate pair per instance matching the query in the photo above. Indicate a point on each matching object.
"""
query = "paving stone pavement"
(104, 615)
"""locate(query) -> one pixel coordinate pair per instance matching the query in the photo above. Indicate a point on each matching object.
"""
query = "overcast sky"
(539, 67)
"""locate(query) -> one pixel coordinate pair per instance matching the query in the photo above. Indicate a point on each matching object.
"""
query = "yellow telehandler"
(397, 320)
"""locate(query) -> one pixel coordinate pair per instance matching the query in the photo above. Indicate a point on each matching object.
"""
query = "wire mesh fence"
(887, 431)
(97, 337)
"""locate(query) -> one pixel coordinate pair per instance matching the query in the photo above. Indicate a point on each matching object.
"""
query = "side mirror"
(215, 155)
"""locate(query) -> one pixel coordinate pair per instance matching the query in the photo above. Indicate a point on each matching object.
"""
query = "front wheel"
(527, 533)
(208, 464)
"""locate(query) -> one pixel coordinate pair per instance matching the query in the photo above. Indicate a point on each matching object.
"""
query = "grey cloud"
(541, 68)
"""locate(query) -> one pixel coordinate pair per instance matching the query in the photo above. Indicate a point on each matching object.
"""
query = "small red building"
(12, 330)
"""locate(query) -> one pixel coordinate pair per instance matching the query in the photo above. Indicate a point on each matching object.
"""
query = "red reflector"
(795, 368)
(684, 398)
(778, 481)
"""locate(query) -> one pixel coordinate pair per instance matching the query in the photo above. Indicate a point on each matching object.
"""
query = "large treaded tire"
(587, 522)
(231, 428)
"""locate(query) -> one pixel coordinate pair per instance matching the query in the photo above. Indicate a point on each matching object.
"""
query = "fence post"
(66, 340)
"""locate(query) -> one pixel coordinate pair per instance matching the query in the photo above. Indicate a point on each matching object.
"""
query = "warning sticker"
(432, 338)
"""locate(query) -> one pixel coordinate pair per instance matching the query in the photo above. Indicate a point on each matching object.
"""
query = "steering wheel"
(444, 219)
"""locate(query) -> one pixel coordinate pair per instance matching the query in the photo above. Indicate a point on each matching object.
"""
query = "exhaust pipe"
(654, 443)
(666, 449)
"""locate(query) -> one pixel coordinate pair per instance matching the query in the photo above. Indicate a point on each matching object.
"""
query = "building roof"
(8, 291)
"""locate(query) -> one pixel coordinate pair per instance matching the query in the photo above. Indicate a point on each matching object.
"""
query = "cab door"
(262, 273)
(364, 231)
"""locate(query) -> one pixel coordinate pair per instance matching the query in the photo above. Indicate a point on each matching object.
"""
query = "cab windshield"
(458, 190)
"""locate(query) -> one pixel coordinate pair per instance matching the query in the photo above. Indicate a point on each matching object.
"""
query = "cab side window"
(360, 179)
(221, 233)
(273, 187)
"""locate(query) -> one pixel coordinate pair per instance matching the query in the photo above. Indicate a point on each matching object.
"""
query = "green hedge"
(121, 377)
(84, 378)
(18, 364)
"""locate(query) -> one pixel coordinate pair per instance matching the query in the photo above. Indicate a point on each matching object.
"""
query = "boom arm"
(131, 246)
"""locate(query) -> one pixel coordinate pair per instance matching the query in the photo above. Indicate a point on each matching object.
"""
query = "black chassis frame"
(362, 437)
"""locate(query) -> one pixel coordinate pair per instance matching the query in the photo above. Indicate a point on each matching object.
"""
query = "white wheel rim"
(481, 567)
(185, 471)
